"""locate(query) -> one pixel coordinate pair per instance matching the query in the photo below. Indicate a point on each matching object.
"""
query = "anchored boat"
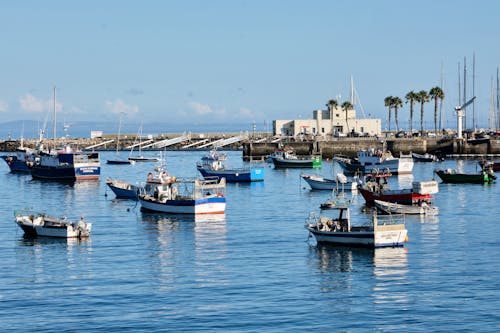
(212, 165)
(40, 224)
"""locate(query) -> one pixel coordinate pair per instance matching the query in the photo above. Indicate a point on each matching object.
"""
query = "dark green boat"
(451, 176)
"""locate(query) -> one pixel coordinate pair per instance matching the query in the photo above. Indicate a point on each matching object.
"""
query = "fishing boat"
(22, 160)
(212, 165)
(123, 189)
(320, 183)
(286, 158)
(334, 226)
(40, 224)
(198, 196)
(371, 160)
(394, 208)
(67, 165)
(117, 160)
(424, 157)
(454, 177)
(376, 188)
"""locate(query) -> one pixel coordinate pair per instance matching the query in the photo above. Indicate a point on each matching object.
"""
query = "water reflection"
(391, 276)
(335, 259)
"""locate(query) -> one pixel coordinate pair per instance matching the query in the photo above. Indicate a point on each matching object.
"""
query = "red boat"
(376, 188)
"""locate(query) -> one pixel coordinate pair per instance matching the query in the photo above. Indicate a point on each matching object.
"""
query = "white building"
(331, 122)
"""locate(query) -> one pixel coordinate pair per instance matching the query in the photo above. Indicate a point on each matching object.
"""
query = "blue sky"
(211, 62)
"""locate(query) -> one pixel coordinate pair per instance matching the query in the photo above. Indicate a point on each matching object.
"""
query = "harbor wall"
(259, 149)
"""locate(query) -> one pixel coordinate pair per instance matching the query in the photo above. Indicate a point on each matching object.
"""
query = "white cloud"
(119, 106)
(3, 106)
(201, 109)
(245, 112)
(30, 103)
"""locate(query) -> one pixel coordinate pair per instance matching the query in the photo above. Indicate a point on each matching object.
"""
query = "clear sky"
(205, 62)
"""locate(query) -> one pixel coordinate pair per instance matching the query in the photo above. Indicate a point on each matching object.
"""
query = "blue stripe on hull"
(233, 176)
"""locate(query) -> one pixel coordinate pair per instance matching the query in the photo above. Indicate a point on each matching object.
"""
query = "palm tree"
(346, 106)
(423, 97)
(436, 94)
(388, 103)
(411, 97)
(396, 104)
(331, 105)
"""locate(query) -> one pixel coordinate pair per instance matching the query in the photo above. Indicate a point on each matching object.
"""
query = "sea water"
(253, 269)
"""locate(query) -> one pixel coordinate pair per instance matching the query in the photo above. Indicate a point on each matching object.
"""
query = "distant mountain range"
(81, 129)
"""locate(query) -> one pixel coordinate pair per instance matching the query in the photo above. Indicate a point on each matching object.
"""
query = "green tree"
(411, 97)
(396, 104)
(436, 94)
(331, 105)
(388, 103)
(423, 97)
(346, 106)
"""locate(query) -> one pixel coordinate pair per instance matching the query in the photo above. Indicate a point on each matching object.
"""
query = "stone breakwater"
(259, 148)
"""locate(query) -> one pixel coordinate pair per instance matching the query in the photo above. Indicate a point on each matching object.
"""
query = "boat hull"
(296, 163)
(17, 165)
(235, 175)
(320, 183)
(122, 189)
(66, 173)
(462, 178)
(393, 208)
(396, 167)
(407, 197)
(212, 205)
(388, 238)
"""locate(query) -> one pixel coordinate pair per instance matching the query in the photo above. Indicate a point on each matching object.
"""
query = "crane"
(460, 114)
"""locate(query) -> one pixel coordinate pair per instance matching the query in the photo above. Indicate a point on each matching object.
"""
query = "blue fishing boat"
(67, 165)
(187, 196)
(123, 189)
(212, 165)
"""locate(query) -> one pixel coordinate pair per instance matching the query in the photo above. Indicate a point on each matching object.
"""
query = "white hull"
(394, 208)
(190, 207)
(35, 224)
(369, 238)
(320, 183)
(398, 166)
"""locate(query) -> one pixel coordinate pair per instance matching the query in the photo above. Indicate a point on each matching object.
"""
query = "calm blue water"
(251, 270)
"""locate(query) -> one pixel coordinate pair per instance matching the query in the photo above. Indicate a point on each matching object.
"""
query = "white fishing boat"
(40, 224)
(321, 183)
(394, 208)
(334, 226)
(178, 196)
(372, 160)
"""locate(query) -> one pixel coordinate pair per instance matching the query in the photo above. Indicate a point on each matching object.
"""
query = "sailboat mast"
(493, 119)
(55, 119)
(441, 100)
(473, 90)
(498, 103)
(465, 92)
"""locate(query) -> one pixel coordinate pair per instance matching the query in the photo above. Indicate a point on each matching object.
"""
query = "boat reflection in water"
(391, 277)
(185, 245)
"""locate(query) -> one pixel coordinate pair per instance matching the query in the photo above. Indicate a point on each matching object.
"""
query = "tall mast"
(441, 100)
(55, 118)
(459, 89)
(352, 92)
(473, 89)
(493, 120)
(465, 92)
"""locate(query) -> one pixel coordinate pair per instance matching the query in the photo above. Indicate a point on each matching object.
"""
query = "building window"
(337, 115)
(322, 130)
(314, 130)
(362, 129)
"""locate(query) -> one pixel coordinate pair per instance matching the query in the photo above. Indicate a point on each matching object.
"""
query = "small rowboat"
(394, 208)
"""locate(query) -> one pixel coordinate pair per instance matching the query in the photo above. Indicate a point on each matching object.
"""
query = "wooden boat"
(376, 188)
(454, 177)
(212, 165)
(40, 224)
(123, 189)
(320, 183)
(393, 208)
(424, 157)
(372, 160)
(334, 226)
(177, 196)
(288, 159)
